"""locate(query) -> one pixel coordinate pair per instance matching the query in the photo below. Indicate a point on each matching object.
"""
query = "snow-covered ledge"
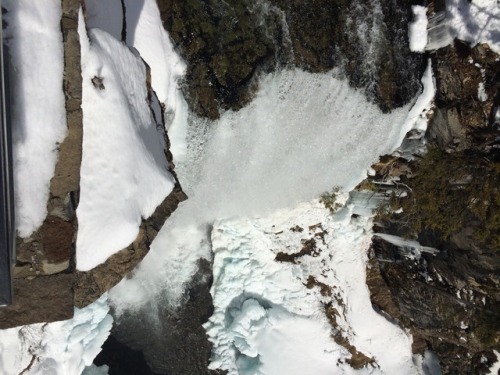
(46, 283)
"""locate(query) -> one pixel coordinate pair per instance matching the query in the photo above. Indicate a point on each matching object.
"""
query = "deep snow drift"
(124, 172)
(33, 35)
(301, 135)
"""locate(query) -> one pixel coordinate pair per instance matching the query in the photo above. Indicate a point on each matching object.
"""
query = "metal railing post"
(7, 218)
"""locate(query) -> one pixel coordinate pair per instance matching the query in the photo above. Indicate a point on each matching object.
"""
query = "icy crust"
(124, 171)
(33, 35)
(59, 348)
(267, 321)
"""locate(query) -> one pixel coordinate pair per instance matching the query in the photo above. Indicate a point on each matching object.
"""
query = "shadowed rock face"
(175, 342)
(451, 301)
(227, 43)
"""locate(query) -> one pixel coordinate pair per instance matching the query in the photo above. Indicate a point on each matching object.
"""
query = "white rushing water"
(302, 135)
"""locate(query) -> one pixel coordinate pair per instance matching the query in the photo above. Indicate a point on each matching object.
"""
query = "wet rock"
(468, 91)
(122, 360)
(448, 302)
(226, 44)
(178, 345)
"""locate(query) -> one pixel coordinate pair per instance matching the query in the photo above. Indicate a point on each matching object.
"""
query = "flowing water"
(302, 135)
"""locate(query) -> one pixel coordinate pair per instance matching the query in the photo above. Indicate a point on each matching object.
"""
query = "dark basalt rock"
(226, 44)
(450, 303)
(178, 344)
(463, 120)
(122, 360)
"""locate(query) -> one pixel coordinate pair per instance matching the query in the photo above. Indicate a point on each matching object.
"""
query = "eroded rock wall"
(46, 283)
(450, 301)
(227, 43)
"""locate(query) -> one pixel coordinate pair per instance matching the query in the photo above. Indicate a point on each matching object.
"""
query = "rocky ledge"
(227, 44)
(46, 284)
(447, 199)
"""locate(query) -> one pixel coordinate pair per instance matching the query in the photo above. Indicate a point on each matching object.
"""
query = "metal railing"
(7, 220)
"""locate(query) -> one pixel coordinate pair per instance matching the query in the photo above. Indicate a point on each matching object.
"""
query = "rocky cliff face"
(450, 301)
(226, 45)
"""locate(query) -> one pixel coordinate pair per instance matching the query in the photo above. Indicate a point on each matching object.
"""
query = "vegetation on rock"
(449, 192)
(329, 200)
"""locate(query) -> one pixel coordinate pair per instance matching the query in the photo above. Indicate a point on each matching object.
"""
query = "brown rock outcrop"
(227, 44)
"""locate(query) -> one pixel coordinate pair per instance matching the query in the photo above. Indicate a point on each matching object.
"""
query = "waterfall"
(302, 134)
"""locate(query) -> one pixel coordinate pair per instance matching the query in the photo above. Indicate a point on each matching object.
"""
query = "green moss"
(451, 191)
(329, 200)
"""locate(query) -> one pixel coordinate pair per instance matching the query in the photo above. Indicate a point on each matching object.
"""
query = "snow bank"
(60, 348)
(144, 31)
(476, 21)
(417, 118)
(34, 38)
(417, 29)
(267, 321)
(124, 172)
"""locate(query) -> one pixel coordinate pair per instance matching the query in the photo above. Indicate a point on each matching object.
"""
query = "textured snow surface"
(124, 172)
(59, 348)
(34, 38)
(144, 31)
(267, 321)
(418, 29)
(476, 21)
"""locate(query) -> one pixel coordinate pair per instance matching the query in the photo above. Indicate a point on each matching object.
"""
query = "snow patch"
(58, 348)
(418, 116)
(35, 45)
(266, 319)
(124, 172)
(417, 29)
(476, 21)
